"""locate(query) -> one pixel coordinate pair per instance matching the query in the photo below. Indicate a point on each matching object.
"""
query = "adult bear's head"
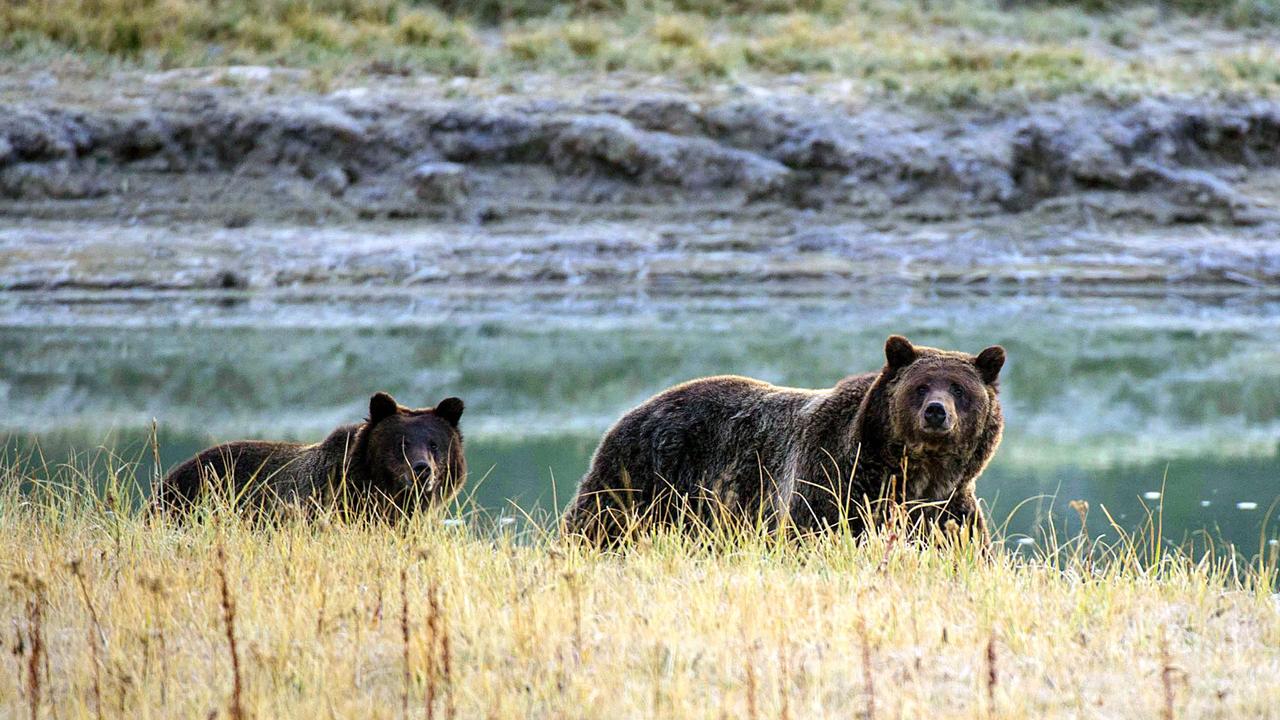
(941, 400)
(415, 455)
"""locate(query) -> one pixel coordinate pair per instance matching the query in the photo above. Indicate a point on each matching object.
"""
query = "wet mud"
(210, 186)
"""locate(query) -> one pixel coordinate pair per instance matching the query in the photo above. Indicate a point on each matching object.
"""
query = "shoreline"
(208, 186)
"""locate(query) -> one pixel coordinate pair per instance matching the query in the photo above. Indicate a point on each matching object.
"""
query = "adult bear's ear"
(382, 406)
(989, 362)
(450, 410)
(899, 352)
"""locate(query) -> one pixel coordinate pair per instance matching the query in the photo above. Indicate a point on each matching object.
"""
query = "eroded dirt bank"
(173, 183)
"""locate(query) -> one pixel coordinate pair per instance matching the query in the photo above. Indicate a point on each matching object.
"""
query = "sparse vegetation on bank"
(939, 53)
(111, 614)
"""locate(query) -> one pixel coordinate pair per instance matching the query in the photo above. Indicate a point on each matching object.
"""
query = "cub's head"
(941, 399)
(415, 454)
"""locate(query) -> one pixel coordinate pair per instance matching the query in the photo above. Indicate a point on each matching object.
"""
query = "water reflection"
(1107, 399)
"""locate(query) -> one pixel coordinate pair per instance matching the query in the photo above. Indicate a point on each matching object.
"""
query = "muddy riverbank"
(234, 179)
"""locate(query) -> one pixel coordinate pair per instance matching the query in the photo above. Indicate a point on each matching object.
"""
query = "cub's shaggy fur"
(734, 449)
(397, 461)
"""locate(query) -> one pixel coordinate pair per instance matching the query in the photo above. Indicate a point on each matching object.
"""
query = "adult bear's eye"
(957, 391)
(432, 445)
(922, 390)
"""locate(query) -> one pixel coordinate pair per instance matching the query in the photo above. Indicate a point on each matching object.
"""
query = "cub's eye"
(957, 391)
(922, 390)
(432, 445)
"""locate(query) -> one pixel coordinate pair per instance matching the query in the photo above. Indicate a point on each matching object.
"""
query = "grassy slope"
(949, 53)
(746, 628)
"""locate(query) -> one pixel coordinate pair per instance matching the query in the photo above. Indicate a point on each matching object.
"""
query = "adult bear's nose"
(935, 415)
(421, 469)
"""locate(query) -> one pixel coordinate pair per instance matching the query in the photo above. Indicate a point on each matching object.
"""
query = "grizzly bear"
(920, 431)
(397, 461)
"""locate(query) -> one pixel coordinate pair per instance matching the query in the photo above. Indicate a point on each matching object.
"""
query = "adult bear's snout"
(935, 416)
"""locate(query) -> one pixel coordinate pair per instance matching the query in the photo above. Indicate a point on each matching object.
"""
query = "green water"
(1106, 398)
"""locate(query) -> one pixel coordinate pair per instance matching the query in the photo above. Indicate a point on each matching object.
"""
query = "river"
(1134, 402)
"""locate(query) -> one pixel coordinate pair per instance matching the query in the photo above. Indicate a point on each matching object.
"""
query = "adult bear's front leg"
(965, 511)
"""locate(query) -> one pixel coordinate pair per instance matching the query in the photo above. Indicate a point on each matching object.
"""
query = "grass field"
(934, 52)
(109, 615)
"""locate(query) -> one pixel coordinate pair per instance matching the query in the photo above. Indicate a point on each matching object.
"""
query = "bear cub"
(398, 461)
(920, 431)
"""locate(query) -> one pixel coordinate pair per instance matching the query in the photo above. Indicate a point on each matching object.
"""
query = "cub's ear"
(899, 352)
(382, 406)
(989, 362)
(450, 410)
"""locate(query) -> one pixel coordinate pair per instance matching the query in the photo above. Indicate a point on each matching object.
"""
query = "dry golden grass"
(109, 614)
(954, 53)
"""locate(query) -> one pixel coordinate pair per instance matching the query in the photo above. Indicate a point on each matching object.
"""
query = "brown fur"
(733, 448)
(368, 466)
